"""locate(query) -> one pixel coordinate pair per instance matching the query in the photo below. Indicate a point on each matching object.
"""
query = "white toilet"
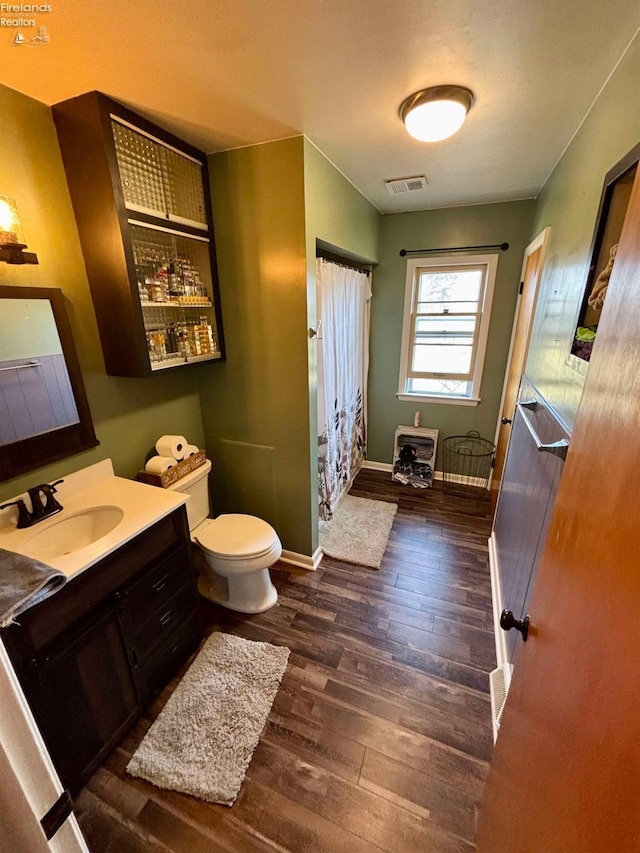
(233, 552)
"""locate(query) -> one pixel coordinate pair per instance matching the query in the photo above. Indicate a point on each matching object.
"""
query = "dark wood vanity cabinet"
(91, 657)
(82, 693)
(159, 619)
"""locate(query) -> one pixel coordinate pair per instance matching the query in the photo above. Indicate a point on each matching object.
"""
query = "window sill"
(432, 398)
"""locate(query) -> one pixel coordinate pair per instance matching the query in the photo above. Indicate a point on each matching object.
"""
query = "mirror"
(44, 414)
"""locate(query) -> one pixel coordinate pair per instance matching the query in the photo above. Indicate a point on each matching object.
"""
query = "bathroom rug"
(202, 741)
(358, 531)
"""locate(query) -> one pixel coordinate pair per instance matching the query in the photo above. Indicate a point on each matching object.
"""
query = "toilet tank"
(196, 485)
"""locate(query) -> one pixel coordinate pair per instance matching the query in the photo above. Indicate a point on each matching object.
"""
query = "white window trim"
(491, 262)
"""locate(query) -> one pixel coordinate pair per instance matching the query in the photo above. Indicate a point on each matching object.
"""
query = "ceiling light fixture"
(436, 113)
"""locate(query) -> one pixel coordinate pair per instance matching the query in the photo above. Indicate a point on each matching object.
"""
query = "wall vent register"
(398, 186)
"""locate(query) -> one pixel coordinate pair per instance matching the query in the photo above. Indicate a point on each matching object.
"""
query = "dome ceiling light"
(436, 113)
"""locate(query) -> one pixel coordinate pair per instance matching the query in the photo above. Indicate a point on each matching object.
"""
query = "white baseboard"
(437, 475)
(478, 482)
(496, 596)
(377, 466)
(500, 683)
(387, 466)
(303, 561)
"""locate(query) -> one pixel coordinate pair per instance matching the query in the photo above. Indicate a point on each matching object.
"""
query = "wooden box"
(168, 478)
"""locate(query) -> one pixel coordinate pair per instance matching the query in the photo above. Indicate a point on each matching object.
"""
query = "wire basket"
(467, 462)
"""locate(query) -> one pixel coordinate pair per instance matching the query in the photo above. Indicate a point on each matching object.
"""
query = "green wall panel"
(461, 226)
(259, 398)
(569, 204)
(128, 414)
(337, 215)
(336, 212)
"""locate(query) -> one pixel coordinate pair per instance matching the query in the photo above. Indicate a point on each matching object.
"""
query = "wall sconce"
(12, 243)
(436, 113)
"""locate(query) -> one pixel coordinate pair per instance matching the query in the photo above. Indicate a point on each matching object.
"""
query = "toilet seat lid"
(235, 535)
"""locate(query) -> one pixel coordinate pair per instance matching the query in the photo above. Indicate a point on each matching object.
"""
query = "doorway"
(531, 276)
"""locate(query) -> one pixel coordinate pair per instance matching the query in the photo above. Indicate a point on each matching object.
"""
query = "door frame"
(502, 657)
(541, 241)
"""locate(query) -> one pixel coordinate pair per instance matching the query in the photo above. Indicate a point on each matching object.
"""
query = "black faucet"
(39, 510)
(24, 516)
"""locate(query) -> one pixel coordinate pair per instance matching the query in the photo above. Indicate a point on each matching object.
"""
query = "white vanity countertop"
(95, 486)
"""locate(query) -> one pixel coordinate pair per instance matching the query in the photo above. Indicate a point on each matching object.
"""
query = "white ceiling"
(227, 73)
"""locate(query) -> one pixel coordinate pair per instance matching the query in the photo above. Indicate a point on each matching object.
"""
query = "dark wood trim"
(108, 105)
(624, 165)
(89, 155)
(89, 163)
(213, 255)
(614, 174)
(30, 453)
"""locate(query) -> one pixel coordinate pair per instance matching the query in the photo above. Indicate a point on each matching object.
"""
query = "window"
(446, 321)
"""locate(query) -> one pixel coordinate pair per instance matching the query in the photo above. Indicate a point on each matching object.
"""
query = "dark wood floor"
(380, 734)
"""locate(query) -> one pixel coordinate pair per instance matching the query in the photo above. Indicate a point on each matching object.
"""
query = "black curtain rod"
(343, 262)
(502, 246)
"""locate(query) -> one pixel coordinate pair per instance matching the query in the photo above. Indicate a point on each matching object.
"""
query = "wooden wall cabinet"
(142, 205)
(91, 657)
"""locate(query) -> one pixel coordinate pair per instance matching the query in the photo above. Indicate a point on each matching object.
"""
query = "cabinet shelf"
(192, 359)
(158, 214)
(142, 205)
(148, 304)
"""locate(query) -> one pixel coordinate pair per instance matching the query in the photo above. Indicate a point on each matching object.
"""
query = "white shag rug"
(358, 531)
(203, 739)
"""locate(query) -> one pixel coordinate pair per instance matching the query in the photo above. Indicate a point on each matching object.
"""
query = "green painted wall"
(271, 203)
(339, 216)
(256, 406)
(337, 213)
(129, 414)
(569, 204)
(461, 226)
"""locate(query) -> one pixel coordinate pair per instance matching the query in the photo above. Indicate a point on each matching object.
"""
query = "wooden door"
(566, 770)
(521, 335)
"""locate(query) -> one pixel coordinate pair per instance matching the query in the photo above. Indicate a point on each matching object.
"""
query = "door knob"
(508, 621)
(505, 421)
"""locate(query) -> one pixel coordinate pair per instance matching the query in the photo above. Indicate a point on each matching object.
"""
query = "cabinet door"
(83, 697)
(153, 270)
(175, 291)
(157, 179)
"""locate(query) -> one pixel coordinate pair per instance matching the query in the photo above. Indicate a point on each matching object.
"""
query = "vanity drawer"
(167, 618)
(155, 588)
(159, 667)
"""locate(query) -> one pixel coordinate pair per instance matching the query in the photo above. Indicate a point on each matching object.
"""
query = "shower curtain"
(344, 296)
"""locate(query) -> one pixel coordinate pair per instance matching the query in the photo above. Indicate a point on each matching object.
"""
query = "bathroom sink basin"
(73, 532)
